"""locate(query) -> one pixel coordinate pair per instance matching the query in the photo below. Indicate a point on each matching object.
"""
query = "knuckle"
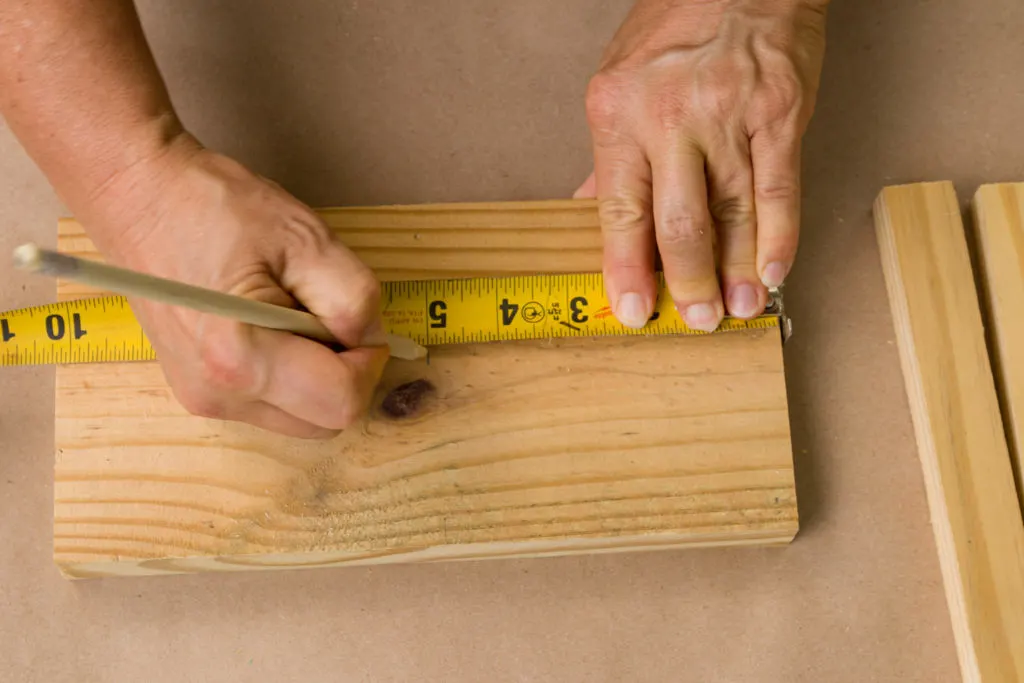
(224, 365)
(303, 232)
(683, 230)
(777, 189)
(780, 98)
(200, 402)
(621, 214)
(366, 289)
(605, 98)
(361, 299)
(732, 212)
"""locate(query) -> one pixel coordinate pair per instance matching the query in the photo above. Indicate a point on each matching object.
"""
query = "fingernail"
(702, 317)
(375, 335)
(773, 274)
(631, 310)
(743, 301)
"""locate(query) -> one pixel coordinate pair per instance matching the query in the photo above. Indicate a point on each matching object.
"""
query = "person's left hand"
(697, 115)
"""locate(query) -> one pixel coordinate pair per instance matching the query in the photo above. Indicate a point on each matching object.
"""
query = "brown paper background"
(414, 101)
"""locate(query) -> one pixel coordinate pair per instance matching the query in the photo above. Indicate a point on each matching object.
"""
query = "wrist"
(124, 205)
(131, 150)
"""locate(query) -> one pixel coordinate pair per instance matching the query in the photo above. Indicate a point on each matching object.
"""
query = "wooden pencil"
(131, 283)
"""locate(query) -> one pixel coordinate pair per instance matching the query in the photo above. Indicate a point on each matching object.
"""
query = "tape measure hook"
(776, 306)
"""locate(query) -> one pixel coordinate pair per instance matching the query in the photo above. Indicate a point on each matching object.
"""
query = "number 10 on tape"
(82, 331)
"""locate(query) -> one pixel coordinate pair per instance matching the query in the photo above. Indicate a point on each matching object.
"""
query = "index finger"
(623, 183)
(776, 161)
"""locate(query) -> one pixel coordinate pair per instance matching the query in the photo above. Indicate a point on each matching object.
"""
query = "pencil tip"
(405, 348)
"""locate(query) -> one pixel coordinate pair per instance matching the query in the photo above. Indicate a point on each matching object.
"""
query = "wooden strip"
(442, 240)
(975, 517)
(999, 238)
(524, 449)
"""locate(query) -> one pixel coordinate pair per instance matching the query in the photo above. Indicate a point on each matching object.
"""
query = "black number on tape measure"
(508, 311)
(438, 317)
(5, 330)
(576, 306)
(55, 326)
(76, 320)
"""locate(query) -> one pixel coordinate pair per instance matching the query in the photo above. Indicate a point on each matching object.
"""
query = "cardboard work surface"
(367, 103)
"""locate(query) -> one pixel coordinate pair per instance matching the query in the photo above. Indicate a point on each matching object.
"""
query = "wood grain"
(999, 237)
(442, 240)
(969, 482)
(524, 449)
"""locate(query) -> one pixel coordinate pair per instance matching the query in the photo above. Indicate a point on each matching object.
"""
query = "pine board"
(952, 395)
(999, 238)
(527, 448)
(442, 240)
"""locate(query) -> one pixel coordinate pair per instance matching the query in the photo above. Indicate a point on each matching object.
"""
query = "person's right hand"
(198, 217)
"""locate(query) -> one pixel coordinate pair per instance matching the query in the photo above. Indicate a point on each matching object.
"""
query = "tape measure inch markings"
(94, 330)
(431, 312)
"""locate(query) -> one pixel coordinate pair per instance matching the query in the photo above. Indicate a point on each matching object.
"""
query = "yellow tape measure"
(431, 312)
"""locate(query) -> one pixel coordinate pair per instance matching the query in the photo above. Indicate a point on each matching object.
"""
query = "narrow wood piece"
(975, 517)
(130, 283)
(494, 450)
(442, 240)
(999, 237)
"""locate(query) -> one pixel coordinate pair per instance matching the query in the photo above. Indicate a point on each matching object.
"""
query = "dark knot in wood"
(405, 399)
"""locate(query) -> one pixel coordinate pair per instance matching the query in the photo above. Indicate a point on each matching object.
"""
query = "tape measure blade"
(92, 330)
(430, 312)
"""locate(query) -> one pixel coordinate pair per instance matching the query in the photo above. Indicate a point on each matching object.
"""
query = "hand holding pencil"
(218, 267)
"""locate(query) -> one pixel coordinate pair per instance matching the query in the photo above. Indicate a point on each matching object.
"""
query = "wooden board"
(999, 237)
(527, 448)
(969, 482)
(443, 240)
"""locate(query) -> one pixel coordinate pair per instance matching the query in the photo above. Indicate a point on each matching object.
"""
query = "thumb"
(341, 290)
